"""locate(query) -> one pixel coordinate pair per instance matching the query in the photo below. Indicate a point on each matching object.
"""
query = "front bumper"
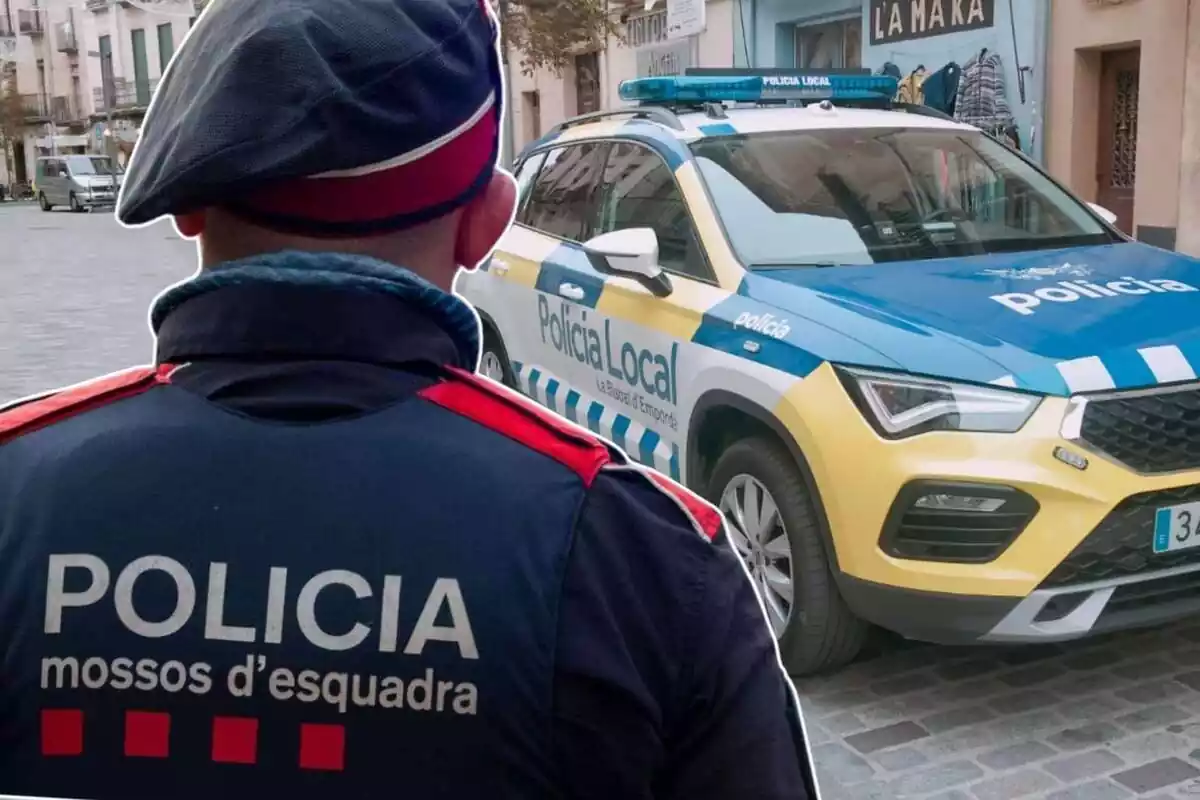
(1045, 615)
(1083, 565)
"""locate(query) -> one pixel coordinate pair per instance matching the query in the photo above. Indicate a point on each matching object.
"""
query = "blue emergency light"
(761, 88)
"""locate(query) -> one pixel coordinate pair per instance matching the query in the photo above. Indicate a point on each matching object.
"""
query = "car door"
(47, 178)
(649, 382)
(552, 348)
(61, 182)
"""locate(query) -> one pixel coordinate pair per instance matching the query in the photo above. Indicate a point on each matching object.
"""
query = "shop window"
(833, 45)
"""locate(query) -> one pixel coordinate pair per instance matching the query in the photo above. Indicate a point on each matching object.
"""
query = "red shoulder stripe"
(707, 518)
(77, 399)
(473, 397)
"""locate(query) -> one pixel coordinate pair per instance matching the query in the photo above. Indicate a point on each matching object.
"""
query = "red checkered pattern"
(234, 739)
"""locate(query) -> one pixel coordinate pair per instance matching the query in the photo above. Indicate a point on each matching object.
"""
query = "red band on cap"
(437, 177)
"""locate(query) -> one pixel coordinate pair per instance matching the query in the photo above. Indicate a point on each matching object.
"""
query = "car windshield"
(871, 195)
(90, 165)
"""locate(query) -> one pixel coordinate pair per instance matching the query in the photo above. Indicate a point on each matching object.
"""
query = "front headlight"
(900, 405)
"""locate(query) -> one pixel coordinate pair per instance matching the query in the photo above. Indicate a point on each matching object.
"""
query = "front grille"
(1151, 433)
(1122, 544)
(1158, 592)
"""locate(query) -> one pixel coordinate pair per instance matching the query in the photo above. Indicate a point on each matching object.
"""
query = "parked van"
(79, 182)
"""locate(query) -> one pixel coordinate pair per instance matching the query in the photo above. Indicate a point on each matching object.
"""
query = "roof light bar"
(759, 88)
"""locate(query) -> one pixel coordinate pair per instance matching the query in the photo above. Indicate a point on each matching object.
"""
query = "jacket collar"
(306, 306)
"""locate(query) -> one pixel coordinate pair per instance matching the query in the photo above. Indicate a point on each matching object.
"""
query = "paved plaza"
(1112, 718)
(1115, 717)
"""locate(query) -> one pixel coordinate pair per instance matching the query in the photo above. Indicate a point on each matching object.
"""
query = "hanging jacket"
(911, 88)
(891, 70)
(1011, 136)
(982, 99)
(940, 89)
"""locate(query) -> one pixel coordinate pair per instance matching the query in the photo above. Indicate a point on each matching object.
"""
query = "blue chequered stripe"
(1125, 369)
(641, 443)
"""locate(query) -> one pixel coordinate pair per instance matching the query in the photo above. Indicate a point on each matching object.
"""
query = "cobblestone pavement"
(1114, 717)
(74, 290)
(1111, 718)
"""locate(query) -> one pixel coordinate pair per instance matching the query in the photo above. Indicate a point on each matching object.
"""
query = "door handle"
(571, 291)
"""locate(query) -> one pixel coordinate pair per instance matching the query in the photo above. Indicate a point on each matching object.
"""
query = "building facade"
(543, 99)
(86, 71)
(1123, 123)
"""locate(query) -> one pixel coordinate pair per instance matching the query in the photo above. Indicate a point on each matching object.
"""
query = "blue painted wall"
(764, 38)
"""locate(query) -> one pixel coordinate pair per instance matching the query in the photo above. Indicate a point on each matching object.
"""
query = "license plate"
(1177, 528)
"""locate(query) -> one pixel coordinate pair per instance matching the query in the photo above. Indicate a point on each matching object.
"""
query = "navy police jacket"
(308, 555)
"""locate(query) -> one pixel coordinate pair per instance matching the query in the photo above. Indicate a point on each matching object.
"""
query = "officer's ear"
(485, 219)
(190, 225)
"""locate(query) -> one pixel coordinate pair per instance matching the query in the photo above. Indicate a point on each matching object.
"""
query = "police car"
(930, 389)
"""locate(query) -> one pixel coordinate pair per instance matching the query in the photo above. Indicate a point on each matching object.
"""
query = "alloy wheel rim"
(760, 538)
(491, 367)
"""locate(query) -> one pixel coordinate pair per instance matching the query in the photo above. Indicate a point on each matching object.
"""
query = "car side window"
(526, 172)
(562, 201)
(50, 169)
(639, 191)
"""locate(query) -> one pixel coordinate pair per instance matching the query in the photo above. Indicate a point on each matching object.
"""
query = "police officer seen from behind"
(308, 554)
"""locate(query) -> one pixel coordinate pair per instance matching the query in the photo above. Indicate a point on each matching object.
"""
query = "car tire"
(821, 632)
(43, 202)
(76, 208)
(493, 359)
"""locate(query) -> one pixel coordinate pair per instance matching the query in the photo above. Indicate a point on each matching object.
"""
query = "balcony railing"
(64, 34)
(101, 5)
(35, 106)
(125, 95)
(39, 108)
(31, 21)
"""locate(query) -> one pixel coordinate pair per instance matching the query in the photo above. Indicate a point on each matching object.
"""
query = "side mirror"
(1103, 213)
(630, 253)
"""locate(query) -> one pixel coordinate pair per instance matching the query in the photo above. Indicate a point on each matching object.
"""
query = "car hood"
(96, 181)
(1054, 321)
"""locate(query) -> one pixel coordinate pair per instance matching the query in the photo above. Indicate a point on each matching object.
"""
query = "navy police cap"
(323, 117)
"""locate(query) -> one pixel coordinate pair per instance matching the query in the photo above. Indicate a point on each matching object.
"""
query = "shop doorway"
(835, 45)
(587, 83)
(531, 114)
(20, 173)
(1116, 168)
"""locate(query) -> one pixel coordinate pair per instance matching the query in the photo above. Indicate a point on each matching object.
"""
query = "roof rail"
(662, 116)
